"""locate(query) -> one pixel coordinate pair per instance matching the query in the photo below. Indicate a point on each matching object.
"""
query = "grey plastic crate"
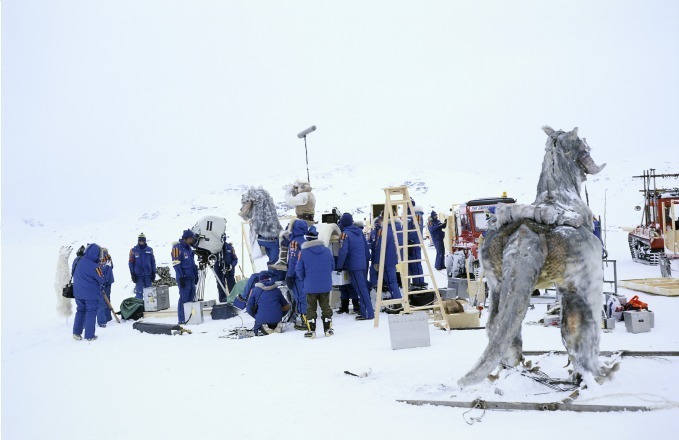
(637, 322)
(197, 309)
(156, 298)
(409, 331)
(458, 287)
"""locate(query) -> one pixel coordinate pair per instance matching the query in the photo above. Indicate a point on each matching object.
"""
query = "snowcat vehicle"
(471, 221)
(657, 231)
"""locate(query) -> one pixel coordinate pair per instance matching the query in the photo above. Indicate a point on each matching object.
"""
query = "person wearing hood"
(185, 270)
(78, 255)
(295, 284)
(436, 233)
(106, 264)
(390, 257)
(354, 257)
(267, 305)
(142, 264)
(314, 268)
(88, 282)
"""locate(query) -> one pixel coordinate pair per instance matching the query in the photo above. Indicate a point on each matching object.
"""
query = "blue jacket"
(435, 229)
(296, 241)
(183, 261)
(75, 263)
(354, 253)
(227, 258)
(142, 261)
(88, 279)
(315, 267)
(270, 302)
(412, 234)
(108, 274)
(390, 258)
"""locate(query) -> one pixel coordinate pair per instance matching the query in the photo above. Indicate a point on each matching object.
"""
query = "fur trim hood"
(308, 244)
(267, 285)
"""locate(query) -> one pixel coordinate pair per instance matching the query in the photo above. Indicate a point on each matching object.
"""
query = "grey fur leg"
(523, 259)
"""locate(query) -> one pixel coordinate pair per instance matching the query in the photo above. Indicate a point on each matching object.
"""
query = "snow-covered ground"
(203, 386)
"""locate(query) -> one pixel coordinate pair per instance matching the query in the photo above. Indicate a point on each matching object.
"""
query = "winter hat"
(141, 237)
(346, 220)
(433, 214)
(311, 233)
(188, 234)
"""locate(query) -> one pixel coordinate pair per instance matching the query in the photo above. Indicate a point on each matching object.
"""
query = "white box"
(156, 298)
(208, 303)
(637, 321)
(193, 312)
(409, 331)
(340, 278)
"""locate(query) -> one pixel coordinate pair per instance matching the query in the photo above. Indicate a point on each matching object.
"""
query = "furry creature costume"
(62, 277)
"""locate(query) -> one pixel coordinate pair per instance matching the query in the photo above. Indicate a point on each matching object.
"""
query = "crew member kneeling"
(267, 305)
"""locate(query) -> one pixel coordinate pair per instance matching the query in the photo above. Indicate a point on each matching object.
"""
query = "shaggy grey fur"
(62, 277)
(258, 208)
(548, 242)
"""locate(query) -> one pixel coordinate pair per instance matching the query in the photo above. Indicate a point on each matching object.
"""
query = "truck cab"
(471, 221)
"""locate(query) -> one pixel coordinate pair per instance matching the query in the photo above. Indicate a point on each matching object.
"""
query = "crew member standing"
(88, 282)
(225, 267)
(436, 233)
(185, 270)
(354, 256)
(142, 266)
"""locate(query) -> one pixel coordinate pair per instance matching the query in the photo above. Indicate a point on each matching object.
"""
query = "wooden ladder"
(397, 206)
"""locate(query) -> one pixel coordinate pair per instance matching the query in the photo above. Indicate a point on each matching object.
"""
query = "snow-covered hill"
(204, 386)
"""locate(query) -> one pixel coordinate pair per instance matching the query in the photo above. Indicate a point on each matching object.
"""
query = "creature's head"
(250, 197)
(569, 151)
(301, 186)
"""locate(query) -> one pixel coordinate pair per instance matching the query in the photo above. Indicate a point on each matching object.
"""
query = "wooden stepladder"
(397, 206)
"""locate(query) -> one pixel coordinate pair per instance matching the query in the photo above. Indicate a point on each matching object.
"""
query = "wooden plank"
(655, 286)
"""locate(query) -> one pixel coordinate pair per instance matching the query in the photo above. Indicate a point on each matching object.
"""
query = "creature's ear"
(573, 134)
(548, 130)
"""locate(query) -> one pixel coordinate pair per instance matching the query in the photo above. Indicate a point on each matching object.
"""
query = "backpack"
(635, 303)
(132, 308)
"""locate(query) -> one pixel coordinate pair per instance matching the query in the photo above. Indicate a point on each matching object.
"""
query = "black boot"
(303, 325)
(311, 327)
(327, 327)
(357, 307)
(344, 308)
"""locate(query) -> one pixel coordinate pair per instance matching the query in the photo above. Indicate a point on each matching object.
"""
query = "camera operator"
(225, 268)
(185, 270)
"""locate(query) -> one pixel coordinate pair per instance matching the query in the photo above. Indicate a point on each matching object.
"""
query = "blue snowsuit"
(314, 268)
(414, 253)
(75, 263)
(270, 302)
(390, 258)
(271, 247)
(186, 273)
(225, 268)
(436, 234)
(354, 256)
(142, 264)
(372, 244)
(299, 228)
(88, 282)
(104, 313)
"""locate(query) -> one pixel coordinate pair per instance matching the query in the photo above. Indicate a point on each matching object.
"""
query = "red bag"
(635, 303)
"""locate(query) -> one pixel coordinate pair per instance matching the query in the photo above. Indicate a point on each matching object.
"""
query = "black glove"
(444, 224)
(134, 277)
(153, 276)
(182, 282)
(290, 282)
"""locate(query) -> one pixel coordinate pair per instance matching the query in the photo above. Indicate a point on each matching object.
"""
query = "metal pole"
(306, 153)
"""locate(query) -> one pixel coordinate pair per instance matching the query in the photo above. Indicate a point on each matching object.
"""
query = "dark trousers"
(415, 268)
(226, 279)
(391, 280)
(316, 299)
(85, 316)
(360, 284)
(299, 296)
(348, 292)
(142, 281)
(439, 263)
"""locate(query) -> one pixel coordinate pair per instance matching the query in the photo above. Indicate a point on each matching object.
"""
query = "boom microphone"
(302, 134)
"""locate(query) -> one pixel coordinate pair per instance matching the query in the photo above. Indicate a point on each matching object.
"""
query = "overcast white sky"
(129, 102)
